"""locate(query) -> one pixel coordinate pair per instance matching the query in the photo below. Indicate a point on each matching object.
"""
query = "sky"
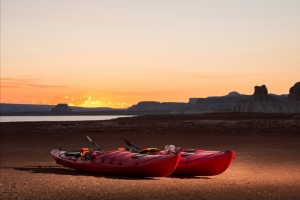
(116, 53)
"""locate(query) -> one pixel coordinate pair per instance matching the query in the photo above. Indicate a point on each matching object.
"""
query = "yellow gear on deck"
(148, 150)
(83, 151)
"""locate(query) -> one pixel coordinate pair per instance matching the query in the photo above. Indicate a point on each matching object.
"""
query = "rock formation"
(194, 106)
(261, 101)
(294, 99)
(260, 93)
(157, 106)
(61, 108)
(18, 108)
(294, 94)
(222, 103)
(233, 94)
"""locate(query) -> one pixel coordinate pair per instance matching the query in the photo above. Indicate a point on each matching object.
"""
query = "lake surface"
(59, 118)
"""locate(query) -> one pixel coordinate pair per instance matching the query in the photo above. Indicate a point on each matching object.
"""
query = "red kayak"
(193, 162)
(118, 163)
(203, 163)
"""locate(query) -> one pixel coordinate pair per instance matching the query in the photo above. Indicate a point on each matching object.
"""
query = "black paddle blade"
(127, 142)
(130, 144)
(99, 148)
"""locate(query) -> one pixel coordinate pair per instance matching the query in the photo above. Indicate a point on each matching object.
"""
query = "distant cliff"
(195, 105)
(16, 108)
(225, 103)
(32, 108)
(61, 108)
(157, 106)
(261, 101)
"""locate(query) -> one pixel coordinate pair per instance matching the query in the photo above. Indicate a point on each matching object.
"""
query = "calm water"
(58, 118)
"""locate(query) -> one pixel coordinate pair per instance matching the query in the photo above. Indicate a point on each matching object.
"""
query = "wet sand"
(266, 166)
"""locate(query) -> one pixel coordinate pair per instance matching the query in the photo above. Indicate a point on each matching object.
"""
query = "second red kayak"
(193, 162)
(203, 163)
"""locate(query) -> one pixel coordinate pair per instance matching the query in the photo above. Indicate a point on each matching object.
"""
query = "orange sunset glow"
(117, 53)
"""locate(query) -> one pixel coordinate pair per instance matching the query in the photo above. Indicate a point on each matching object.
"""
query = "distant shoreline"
(47, 113)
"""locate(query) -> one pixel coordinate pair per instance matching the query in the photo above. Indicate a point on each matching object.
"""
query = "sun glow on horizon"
(85, 101)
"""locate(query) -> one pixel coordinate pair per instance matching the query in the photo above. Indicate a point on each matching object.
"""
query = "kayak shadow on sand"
(68, 171)
(73, 172)
(188, 177)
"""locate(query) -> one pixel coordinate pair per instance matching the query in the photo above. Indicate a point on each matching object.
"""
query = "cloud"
(25, 101)
(40, 102)
(57, 99)
(95, 102)
(81, 101)
(85, 101)
(124, 105)
(26, 83)
(203, 76)
(22, 79)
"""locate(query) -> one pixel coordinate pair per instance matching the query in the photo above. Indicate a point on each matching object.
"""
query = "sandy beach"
(266, 165)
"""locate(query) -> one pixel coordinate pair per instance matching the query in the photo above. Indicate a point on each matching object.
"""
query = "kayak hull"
(121, 163)
(203, 163)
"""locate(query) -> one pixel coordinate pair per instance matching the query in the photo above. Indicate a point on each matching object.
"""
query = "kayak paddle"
(131, 144)
(99, 148)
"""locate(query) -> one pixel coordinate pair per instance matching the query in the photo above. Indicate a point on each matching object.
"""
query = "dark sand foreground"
(267, 163)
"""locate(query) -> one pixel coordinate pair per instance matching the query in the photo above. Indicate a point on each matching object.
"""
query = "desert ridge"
(259, 102)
